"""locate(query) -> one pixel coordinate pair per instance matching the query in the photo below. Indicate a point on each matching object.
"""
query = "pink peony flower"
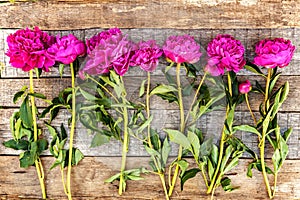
(180, 49)
(95, 40)
(27, 49)
(111, 53)
(245, 87)
(273, 53)
(67, 49)
(224, 52)
(146, 56)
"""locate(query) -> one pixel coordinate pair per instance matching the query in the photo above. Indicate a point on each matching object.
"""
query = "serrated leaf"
(178, 138)
(188, 175)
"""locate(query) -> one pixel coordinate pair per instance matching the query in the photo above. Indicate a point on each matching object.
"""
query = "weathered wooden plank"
(181, 14)
(210, 124)
(249, 38)
(89, 175)
(51, 88)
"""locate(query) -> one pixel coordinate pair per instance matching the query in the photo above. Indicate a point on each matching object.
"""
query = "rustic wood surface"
(247, 20)
(88, 182)
(183, 14)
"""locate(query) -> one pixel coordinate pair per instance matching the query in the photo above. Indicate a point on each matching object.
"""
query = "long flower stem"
(195, 97)
(161, 174)
(125, 146)
(38, 163)
(263, 139)
(182, 127)
(72, 131)
(250, 110)
(222, 142)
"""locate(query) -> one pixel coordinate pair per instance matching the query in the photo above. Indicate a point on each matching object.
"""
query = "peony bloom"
(111, 53)
(67, 49)
(180, 49)
(245, 87)
(146, 56)
(224, 52)
(95, 40)
(273, 53)
(27, 49)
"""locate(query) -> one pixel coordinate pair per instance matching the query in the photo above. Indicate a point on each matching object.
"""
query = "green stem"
(250, 110)
(275, 184)
(38, 163)
(63, 180)
(72, 131)
(222, 142)
(182, 127)
(125, 145)
(161, 175)
(203, 174)
(267, 90)
(263, 166)
(195, 97)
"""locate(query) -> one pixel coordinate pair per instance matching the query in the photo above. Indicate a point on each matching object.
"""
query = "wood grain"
(89, 175)
(210, 124)
(181, 14)
(248, 37)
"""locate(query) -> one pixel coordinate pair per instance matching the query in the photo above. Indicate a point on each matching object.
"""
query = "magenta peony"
(274, 53)
(180, 49)
(95, 40)
(67, 49)
(111, 53)
(245, 87)
(27, 49)
(146, 56)
(224, 53)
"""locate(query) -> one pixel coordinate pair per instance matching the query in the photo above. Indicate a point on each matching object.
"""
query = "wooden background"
(247, 20)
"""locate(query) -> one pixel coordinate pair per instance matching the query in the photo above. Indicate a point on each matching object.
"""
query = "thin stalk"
(161, 174)
(267, 90)
(262, 142)
(195, 97)
(38, 163)
(204, 175)
(182, 127)
(222, 142)
(275, 184)
(263, 166)
(125, 144)
(63, 180)
(72, 132)
(250, 110)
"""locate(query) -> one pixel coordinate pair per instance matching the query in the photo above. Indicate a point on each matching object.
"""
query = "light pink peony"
(225, 53)
(111, 53)
(245, 87)
(67, 49)
(274, 53)
(95, 40)
(180, 49)
(146, 56)
(27, 49)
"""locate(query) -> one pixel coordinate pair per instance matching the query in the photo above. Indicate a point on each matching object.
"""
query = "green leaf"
(254, 69)
(276, 160)
(113, 178)
(61, 68)
(206, 147)
(145, 124)
(142, 88)
(178, 138)
(161, 89)
(17, 145)
(166, 148)
(186, 91)
(226, 184)
(211, 169)
(183, 165)
(37, 95)
(285, 92)
(287, 133)
(42, 145)
(194, 140)
(19, 94)
(27, 159)
(87, 95)
(77, 156)
(273, 82)
(191, 173)
(233, 163)
(152, 152)
(247, 128)
(26, 114)
(214, 154)
(99, 139)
